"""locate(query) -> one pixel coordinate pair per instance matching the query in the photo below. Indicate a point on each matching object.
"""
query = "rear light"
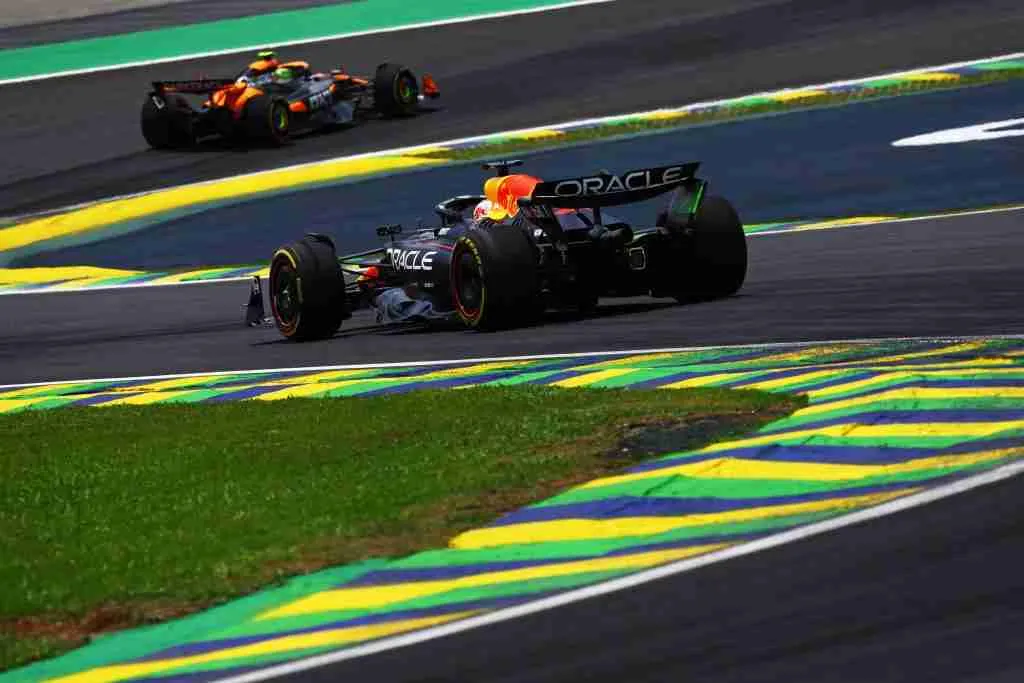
(371, 273)
(430, 88)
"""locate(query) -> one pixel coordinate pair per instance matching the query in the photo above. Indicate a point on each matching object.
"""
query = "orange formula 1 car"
(271, 99)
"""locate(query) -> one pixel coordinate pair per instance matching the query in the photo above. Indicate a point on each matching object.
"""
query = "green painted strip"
(139, 642)
(453, 597)
(1001, 66)
(682, 487)
(910, 379)
(907, 404)
(247, 33)
(264, 660)
(522, 378)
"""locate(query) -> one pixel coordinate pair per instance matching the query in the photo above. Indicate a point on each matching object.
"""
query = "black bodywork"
(577, 251)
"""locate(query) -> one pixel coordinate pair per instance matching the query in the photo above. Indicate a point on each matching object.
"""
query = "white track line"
(633, 580)
(303, 41)
(542, 356)
(886, 221)
(797, 230)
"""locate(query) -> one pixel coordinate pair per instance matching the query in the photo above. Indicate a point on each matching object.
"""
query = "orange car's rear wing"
(202, 86)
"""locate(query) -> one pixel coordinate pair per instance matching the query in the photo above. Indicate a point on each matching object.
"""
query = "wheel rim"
(406, 89)
(279, 120)
(468, 285)
(284, 297)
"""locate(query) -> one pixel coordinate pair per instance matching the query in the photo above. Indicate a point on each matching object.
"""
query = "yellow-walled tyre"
(494, 278)
(307, 289)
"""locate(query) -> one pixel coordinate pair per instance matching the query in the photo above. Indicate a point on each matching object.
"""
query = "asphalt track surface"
(953, 276)
(77, 138)
(932, 594)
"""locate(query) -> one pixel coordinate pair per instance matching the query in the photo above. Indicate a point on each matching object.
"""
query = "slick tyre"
(267, 119)
(167, 125)
(307, 289)
(494, 278)
(714, 260)
(395, 90)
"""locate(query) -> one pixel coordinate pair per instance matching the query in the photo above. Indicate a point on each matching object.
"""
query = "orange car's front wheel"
(267, 119)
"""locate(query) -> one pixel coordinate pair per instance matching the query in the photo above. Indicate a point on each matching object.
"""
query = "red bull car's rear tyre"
(713, 264)
(494, 278)
(167, 125)
(307, 289)
(267, 119)
(395, 90)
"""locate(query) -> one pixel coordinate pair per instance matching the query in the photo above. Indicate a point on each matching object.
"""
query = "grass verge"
(122, 516)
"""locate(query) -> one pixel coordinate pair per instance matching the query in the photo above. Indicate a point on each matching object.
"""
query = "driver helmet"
(482, 210)
(284, 74)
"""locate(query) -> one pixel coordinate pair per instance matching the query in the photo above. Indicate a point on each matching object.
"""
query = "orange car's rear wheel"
(167, 122)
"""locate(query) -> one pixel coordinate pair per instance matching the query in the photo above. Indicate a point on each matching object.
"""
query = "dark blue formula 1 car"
(499, 259)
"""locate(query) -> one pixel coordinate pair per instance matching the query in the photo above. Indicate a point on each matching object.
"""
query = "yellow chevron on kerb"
(839, 223)
(853, 430)
(595, 529)
(56, 389)
(284, 644)
(131, 208)
(10, 405)
(637, 362)
(915, 393)
(162, 385)
(930, 76)
(782, 382)
(44, 275)
(478, 369)
(538, 134)
(712, 380)
(314, 378)
(665, 115)
(589, 378)
(798, 95)
(372, 597)
(781, 470)
(314, 389)
(145, 399)
(930, 353)
(885, 378)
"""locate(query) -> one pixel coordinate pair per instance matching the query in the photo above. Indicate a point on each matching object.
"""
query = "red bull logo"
(505, 193)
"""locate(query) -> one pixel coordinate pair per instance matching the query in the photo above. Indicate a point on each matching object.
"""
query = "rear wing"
(608, 189)
(201, 86)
